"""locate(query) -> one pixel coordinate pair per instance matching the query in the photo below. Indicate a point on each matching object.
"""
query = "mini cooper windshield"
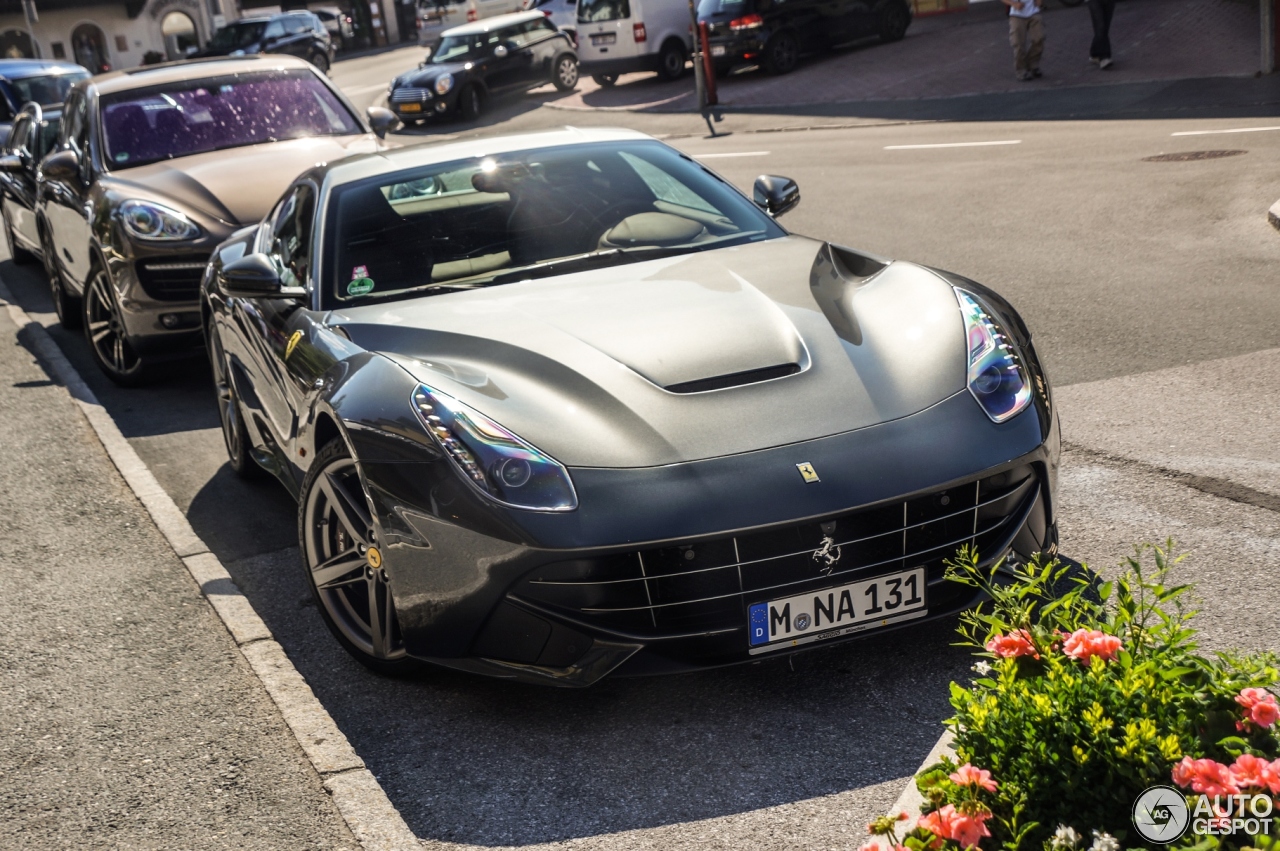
(530, 214)
(213, 114)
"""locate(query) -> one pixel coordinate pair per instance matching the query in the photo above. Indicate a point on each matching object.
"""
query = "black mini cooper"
(471, 63)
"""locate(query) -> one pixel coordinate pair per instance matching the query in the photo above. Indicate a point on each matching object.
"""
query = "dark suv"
(492, 56)
(299, 34)
(774, 33)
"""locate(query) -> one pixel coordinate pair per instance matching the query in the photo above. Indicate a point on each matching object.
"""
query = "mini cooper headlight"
(502, 466)
(145, 220)
(444, 83)
(996, 377)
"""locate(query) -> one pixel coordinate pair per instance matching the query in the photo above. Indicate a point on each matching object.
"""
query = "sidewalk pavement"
(968, 53)
(128, 717)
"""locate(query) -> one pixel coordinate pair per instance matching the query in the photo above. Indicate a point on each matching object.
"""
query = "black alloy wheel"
(321, 62)
(17, 253)
(234, 433)
(671, 60)
(565, 77)
(605, 81)
(65, 305)
(893, 21)
(782, 53)
(469, 103)
(105, 331)
(342, 557)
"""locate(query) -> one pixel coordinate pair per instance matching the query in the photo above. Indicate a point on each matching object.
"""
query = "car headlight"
(502, 466)
(996, 376)
(443, 83)
(146, 220)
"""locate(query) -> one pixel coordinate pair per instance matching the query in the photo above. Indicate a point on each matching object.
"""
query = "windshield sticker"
(360, 286)
(359, 272)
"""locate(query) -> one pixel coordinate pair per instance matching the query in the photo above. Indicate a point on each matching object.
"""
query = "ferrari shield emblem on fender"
(806, 470)
(292, 344)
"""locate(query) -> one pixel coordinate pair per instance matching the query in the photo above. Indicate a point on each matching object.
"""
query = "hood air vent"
(736, 379)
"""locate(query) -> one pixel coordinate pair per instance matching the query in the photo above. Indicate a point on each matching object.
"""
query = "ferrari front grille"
(706, 586)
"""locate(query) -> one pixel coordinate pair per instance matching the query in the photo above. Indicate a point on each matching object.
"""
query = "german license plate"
(833, 612)
(717, 50)
(411, 107)
(604, 38)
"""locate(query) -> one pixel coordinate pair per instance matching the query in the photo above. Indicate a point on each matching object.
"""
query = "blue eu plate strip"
(758, 623)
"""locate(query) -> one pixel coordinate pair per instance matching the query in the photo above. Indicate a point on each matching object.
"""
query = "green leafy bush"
(1088, 694)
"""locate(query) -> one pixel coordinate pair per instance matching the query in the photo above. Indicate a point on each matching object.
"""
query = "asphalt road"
(1151, 291)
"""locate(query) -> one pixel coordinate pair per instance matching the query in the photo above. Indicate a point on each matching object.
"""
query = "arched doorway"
(89, 48)
(179, 34)
(16, 44)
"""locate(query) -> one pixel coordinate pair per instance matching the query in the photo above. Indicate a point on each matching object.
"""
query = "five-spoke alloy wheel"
(343, 560)
(105, 331)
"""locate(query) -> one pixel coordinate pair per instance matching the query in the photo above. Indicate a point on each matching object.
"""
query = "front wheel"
(234, 433)
(469, 103)
(605, 81)
(321, 62)
(893, 22)
(105, 331)
(782, 53)
(342, 557)
(671, 61)
(566, 73)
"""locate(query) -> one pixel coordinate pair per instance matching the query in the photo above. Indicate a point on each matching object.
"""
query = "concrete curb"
(364, 806)
(1273, 215)
(910, 800)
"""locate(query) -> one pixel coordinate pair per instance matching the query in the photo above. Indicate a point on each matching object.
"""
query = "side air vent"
(737, 379)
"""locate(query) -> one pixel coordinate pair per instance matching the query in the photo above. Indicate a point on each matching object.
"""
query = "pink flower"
(950, 823)
(1011, 645)
(1084, 644)
(968, 775)
(1259, 706)
(1205, 776)
(1249, 772)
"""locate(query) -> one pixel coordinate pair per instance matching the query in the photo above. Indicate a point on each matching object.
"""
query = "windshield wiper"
(590, 260)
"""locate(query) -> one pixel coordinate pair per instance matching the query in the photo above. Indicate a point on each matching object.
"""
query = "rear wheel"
(343, 560)
(893, 21)
(605, 81)
(321, 62)
(671, 60)
(565, 76)
(20, 255)
(782, 53)
(469, 103)
(105, 331)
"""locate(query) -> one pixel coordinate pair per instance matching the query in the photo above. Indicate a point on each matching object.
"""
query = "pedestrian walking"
(1101, 12)
(1026, 35)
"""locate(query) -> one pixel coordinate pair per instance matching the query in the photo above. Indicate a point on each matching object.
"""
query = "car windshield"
(530, 214)
(603, 10)
(237, 36)
(191, 117)
(46, 90)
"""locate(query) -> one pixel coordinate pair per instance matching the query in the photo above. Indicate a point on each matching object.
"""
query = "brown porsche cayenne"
(156, 166)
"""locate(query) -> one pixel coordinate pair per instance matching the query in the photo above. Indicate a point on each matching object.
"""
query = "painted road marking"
(953, 145)
(734, 154)
(1218, 132)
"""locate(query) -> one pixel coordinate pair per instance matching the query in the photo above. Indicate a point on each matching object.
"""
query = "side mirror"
(775, 195)
(252, 276)
(383, 121)
(11, 164)
(63, 165)
(500, 52)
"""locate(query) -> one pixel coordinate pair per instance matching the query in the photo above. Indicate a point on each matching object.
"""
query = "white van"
(481, 9)
(621, 36)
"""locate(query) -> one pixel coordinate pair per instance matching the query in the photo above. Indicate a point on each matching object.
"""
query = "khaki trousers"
(1026, 35)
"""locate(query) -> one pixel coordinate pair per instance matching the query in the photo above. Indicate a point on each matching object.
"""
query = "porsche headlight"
(444, 83)
(145, 220)
(996, 377)
(501, 465)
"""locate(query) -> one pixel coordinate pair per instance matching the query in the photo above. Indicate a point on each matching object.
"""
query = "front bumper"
(158, 290)
(415, 103)
(656, 569)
